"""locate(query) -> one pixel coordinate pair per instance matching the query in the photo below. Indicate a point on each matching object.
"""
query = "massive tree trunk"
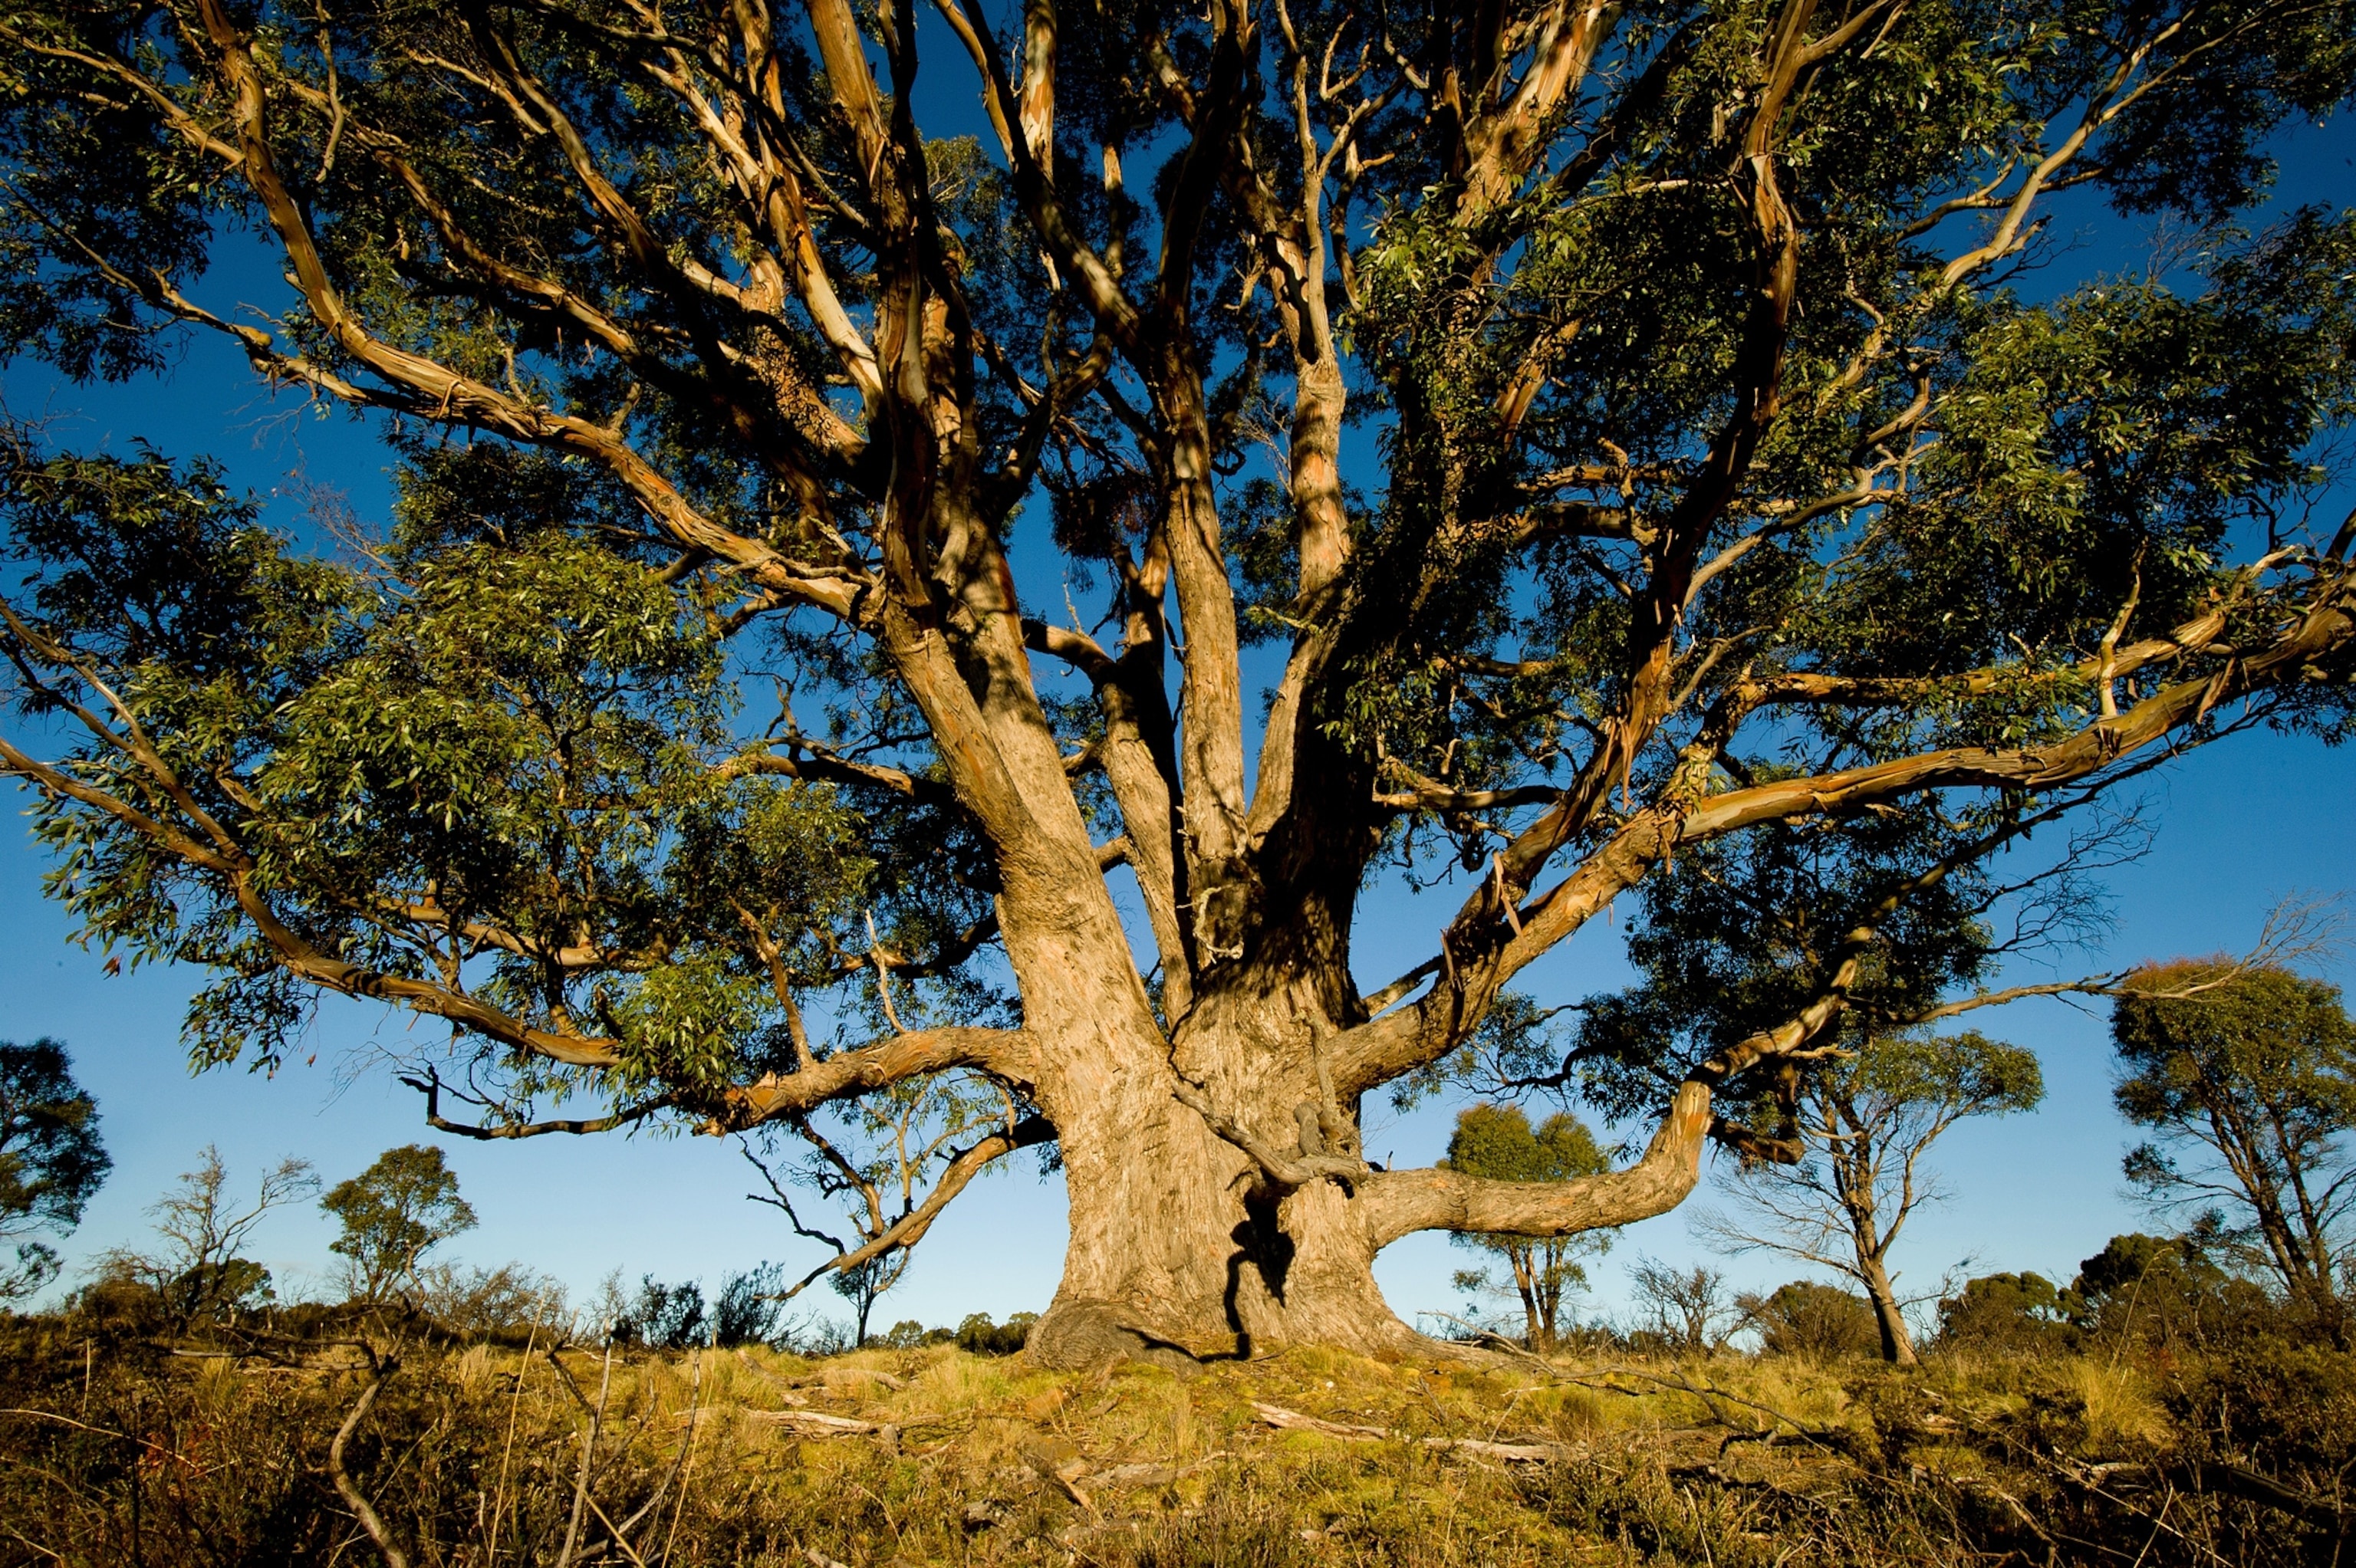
(1180, 1240)
(1183, 1242)
(1176, 1242)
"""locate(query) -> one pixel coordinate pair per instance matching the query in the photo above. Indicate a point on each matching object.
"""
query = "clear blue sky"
(2240, 827)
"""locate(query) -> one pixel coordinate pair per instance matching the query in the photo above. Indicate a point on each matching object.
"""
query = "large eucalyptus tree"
(1603, 427)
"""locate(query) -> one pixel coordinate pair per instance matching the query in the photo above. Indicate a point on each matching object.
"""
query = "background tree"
(200, 1272)
(51, 1161)
(2249, 1086)
(1614, 422)
(1870, 1121)
(392, 1214)
(1688, 1309)
(1497, 1142)
(2164, 1290)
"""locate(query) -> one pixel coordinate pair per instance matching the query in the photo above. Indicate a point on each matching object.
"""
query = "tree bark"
(1179, 1242)
(1182, 1245)
(1897, 1342)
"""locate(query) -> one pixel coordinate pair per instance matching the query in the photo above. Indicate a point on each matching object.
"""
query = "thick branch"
(1400, 1202)
(1479, 956)
(1011, 1054)
(430, 1086)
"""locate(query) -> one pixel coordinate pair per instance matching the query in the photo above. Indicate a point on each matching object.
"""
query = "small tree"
(394, 1213)
(664, 1317)
(202, 1271)
(749, 1310)
(877, 1160)
(1497, 1142)
(50, 1158)
(1872, 1120)
(2246, 1079)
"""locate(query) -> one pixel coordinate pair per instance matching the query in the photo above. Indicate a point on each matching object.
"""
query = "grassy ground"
(130, 1453)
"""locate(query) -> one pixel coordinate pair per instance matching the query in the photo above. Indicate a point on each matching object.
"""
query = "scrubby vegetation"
(2169, 1419)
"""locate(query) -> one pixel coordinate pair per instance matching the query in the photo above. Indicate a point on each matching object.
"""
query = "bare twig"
(687, 1476)
(588, 1450)
(1510, 1453)
(353, 1497)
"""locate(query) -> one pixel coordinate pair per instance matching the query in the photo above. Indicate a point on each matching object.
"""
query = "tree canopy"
(839, 535)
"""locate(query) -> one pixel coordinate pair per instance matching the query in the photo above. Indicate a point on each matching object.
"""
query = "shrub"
(748, 1310)
(509, 1303)
(663, 1317)
(2288, 1410)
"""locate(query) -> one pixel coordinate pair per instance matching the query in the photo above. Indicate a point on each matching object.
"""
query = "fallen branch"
(2252, 1487)
(1510, 1453)
(1151, 1474)
(2210, 1476)
(817, 1424)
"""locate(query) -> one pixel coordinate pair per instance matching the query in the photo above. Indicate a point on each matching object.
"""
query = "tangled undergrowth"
(134, 1451)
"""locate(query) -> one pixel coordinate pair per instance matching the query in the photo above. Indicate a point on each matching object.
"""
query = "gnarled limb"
(1281, 1171)
(429, 389)
(2321, 639)
(1398, 1203)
